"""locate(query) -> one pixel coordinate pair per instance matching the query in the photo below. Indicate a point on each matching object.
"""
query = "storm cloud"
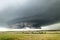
(37, 12)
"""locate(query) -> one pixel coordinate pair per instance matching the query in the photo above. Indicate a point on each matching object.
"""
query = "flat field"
(29, 36)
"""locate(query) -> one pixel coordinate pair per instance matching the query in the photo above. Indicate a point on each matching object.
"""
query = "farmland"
(30, 35)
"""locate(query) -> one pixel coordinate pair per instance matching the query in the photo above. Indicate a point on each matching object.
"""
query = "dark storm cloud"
(41, 12)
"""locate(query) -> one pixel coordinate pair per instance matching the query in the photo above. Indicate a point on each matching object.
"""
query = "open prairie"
(50, 35)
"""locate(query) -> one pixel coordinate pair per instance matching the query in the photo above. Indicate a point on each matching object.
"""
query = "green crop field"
(30, 36)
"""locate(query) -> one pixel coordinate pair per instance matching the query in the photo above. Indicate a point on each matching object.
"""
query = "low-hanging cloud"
(41, 12)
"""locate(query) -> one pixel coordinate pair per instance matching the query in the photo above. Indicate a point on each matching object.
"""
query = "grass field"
(20, 36)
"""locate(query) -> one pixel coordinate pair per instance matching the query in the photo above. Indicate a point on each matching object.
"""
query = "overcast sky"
(12, 9)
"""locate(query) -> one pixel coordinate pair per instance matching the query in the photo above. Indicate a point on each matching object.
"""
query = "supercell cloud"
(37, 13)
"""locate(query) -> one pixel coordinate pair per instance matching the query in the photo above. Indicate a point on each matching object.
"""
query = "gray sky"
(12, 9)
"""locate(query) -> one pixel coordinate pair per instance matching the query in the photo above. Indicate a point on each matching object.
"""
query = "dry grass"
(18, 36)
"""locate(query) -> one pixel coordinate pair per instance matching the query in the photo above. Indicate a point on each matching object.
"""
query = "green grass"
(19, 36)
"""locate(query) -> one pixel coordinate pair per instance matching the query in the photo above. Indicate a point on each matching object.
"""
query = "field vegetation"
(30, 35)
